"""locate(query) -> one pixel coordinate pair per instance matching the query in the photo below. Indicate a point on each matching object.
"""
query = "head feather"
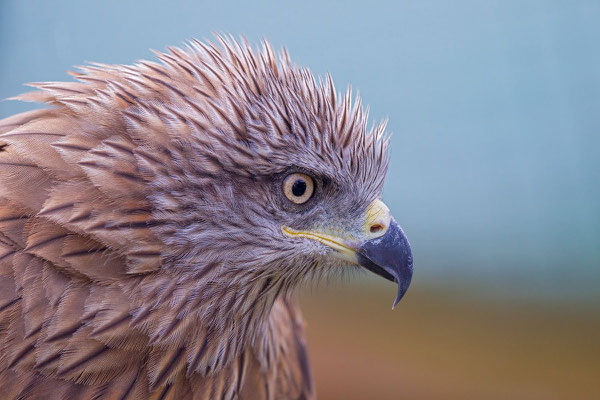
(135, 159)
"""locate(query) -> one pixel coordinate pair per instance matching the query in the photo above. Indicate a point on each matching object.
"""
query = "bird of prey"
(156, 218)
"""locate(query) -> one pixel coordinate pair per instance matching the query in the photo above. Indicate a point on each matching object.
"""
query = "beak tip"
(402, 289)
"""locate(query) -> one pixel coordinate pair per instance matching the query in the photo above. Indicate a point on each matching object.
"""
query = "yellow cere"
(377, 214)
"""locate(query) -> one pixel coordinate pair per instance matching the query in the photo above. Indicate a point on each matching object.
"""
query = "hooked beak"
(389, 256)
(382, 248)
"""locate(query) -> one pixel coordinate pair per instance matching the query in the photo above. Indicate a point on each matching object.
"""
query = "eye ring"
(298, 187)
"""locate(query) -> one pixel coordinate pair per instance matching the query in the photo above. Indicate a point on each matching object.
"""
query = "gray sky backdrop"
(494, 108)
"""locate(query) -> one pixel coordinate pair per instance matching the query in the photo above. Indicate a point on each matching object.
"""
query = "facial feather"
(159, 202)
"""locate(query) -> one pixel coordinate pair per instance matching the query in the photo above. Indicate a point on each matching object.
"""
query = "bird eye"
(298, 188)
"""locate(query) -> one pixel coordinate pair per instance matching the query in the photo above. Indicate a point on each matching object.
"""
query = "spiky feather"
(133, 259)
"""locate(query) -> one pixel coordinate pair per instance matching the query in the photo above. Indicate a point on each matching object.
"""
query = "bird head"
(276, 180)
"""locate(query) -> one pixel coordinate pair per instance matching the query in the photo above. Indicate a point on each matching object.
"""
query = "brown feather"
(135, 260)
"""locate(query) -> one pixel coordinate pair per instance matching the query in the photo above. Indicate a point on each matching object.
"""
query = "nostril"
(376, 228)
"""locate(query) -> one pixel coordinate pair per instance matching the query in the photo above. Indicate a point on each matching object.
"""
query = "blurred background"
(495, 175)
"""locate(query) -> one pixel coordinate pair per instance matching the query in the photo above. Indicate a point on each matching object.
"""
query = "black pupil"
(299, 188)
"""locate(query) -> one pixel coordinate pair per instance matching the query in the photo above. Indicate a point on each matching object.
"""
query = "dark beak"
(389, 256)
